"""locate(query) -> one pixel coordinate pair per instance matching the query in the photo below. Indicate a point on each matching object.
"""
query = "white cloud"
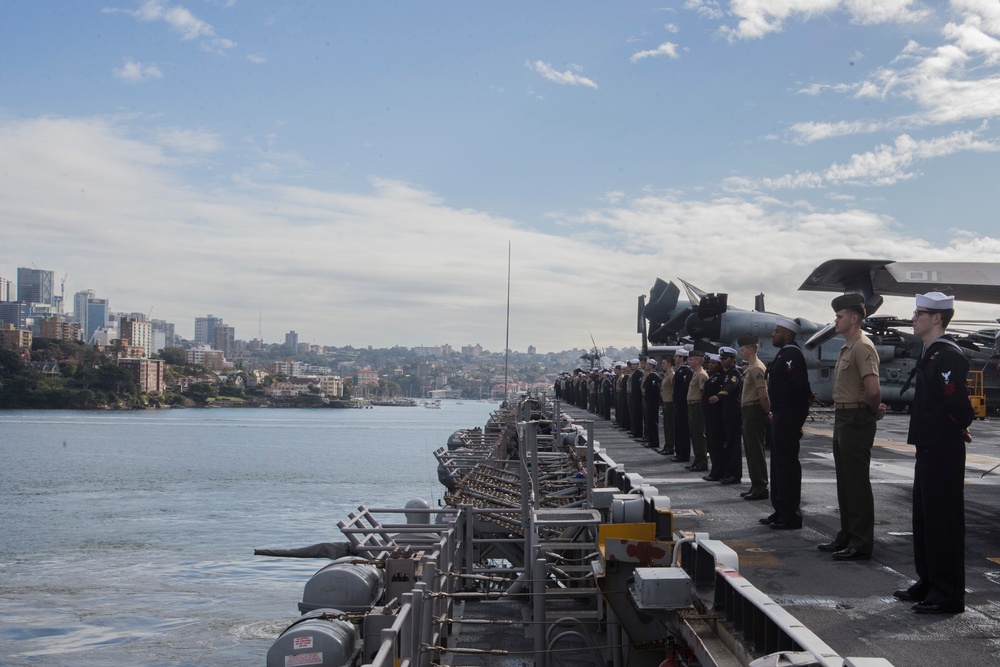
(256, 58)
(182, 21)
(809, 132)
(671, 27)
(710, 9)
(133, 71)
(379, 267)
(189, 141)
(884, 165)
(956, 81)
(571, 78)
(758, 18)
(666, 49)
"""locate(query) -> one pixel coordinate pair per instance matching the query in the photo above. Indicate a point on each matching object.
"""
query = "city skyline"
(357, 172)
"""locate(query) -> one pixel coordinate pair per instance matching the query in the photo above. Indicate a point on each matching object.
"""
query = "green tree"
(116, 380)
(10, 364)
(174, 356)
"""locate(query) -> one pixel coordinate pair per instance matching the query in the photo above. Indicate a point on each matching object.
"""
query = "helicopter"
(705, 321)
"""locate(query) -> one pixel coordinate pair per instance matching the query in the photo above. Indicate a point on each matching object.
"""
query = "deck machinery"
(547, 553)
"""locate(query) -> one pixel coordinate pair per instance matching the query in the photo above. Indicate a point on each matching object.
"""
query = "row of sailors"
(718, 408)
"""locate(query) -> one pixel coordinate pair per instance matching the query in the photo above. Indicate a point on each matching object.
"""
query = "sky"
(356, 172)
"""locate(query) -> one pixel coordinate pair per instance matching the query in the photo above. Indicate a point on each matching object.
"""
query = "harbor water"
(128, 537)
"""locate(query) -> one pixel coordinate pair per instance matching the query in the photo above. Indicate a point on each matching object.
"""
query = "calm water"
(127, 538)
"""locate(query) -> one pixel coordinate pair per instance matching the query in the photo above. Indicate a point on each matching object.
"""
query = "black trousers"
(652, 426)
(786, 471)
(732, 450)
(939, 526)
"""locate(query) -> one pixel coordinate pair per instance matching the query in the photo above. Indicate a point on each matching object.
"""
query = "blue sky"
(355, 171)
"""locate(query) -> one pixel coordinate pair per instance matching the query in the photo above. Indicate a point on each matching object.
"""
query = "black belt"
(849, 406)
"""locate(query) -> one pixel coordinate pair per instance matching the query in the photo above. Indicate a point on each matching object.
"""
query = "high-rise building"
(5, 289)
(60, 328)
(96, 318)
(80, 307)
(292, 341)
(164, 329)
(13, 338)
(223, 339)
(137, 334)
(204, 329)
(35, 286)
(14, 312)
(148, 373)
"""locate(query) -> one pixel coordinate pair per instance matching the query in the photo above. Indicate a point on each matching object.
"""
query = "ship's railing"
(432, 597)
(399, 638)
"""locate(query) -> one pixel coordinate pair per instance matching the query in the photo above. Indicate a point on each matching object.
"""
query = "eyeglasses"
(918, 312)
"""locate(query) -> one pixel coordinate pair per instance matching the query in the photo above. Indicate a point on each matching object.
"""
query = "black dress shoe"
(709, 478)
(767, 520)
(905, 595)
(679, 459)
(931, 608)
(670, 453)
(781, 525)
(755, 496)
(831, 546)
(731, 480)
(701, 467)
(850, 553)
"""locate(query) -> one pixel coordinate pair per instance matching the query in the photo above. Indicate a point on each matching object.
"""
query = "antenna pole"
(506, 344)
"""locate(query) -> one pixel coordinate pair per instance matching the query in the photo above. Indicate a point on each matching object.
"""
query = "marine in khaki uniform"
(857, 402)
(667, 401)
(754, 408)
(696, 416)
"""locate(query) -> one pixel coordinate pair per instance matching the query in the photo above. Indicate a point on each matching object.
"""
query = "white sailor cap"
(619, 364)
(712, 357)
(727, 351)
(633, 361)
(786, 323)
(651, 360)
(935, 301)
(680, 352)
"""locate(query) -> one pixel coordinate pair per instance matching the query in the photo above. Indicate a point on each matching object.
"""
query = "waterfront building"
(60, 328)
(35, 286)
(14, 338)
(149, 374)
(49, 369)
(137, 334)
(331, 385)
(287, 367)
(205, 356)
